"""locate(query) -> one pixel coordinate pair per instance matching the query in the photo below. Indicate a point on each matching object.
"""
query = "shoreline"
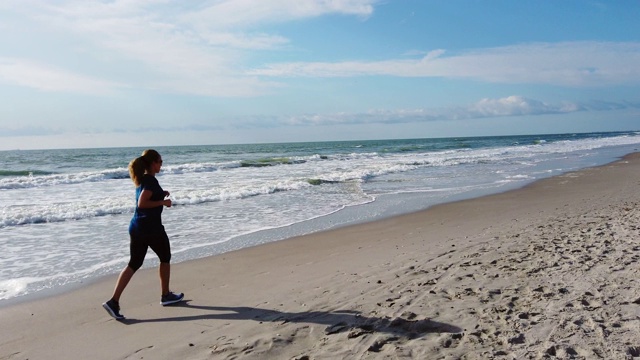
(438, 282)
(32, 283)
(357, 214)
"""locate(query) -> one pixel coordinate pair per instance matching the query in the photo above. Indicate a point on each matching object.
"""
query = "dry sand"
(549, 271)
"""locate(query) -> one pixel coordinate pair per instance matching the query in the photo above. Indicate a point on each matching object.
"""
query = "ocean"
(64, 214)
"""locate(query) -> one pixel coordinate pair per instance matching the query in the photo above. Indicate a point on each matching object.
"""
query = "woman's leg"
(165, 274)
(161, 246)
(138, 251)
(123, 281)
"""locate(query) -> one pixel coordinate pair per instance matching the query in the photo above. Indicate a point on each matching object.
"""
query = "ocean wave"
(353, 161)
(51, 214)
(281, 174)
(24, 172)
(17, 215)
(22, 179)
(321, 181)
(32, 180)
(271, 162)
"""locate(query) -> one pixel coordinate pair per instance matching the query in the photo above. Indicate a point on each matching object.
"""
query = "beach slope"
(547, 271)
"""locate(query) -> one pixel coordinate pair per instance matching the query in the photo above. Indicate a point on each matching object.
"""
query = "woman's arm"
(145, 202)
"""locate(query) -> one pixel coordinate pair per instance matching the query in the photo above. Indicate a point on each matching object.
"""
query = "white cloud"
(517, 105)
(200, 48)
(565, 64)
(179, 47)
(247, 13)
(44, 77)
(258, 41)
(511, 106)
(28, 131)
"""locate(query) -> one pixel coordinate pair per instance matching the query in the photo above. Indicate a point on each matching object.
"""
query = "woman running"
(146, 230)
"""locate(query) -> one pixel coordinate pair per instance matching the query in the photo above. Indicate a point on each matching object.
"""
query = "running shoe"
(113, 308)
(171, 298)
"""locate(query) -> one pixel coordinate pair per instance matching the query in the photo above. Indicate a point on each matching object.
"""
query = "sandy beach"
(550, 271)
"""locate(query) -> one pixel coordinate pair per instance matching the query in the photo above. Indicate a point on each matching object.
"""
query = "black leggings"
(157, 241)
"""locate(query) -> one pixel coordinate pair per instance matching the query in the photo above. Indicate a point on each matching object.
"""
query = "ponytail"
(137, 168)
(139, 165)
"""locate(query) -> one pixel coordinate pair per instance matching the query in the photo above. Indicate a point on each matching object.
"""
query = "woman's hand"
(145, 202)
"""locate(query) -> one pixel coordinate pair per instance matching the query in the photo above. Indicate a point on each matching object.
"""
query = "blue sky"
(82, 73)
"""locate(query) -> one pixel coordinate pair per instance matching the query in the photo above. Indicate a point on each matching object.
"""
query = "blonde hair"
(140, 165)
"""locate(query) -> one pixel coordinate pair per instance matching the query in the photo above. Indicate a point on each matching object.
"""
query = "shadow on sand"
(407, 326)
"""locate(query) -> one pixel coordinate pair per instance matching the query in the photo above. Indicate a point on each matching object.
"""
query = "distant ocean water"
(64, 214)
